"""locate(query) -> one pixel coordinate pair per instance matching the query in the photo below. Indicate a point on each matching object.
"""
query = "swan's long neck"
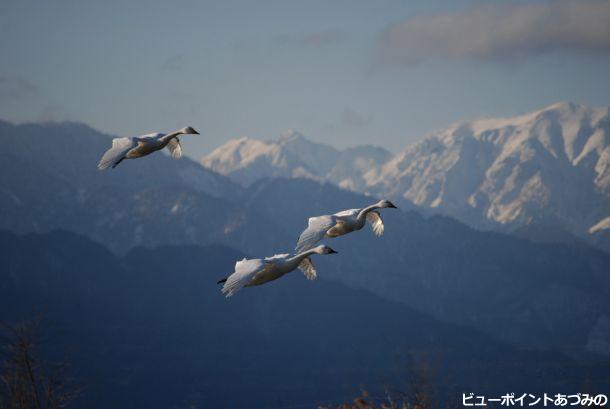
(166, 138)
(365, 211)
(299, 257)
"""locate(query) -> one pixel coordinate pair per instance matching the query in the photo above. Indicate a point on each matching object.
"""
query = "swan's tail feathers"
(224, 280)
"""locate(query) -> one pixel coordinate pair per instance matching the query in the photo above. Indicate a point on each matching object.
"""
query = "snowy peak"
(292, 136)
(564, 129)
(237, 153)
(247, 160)
(549, 166)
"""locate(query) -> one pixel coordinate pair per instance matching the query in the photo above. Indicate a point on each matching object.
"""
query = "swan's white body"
(341, 223)
(138, 146)
(258, 271)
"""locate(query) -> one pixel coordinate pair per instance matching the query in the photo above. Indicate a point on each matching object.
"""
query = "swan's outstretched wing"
(278, 257)
(307, 267)
(315, 231)
(245, 270)
(374, 219)
(114, 155)
(175, 148)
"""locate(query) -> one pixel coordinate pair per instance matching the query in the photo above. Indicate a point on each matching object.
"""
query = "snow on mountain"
(247, 160)
(541, 173)
(548, 167)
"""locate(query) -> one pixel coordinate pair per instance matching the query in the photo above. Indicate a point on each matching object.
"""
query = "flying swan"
(258, 271)
(138, 146)
(342, 223)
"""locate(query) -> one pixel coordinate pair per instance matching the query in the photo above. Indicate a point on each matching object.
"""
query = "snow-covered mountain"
(247, 160)
(544, 173)
(549, 167)
(435, 265)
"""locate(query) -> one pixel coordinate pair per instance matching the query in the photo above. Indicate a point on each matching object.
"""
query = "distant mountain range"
(434, 265)
(545, 174)
(174, 228)
(151, 329)
(247, 160)
(48, 180)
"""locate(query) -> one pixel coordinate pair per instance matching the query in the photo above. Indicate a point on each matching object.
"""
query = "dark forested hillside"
(151, 329)
(545, 295)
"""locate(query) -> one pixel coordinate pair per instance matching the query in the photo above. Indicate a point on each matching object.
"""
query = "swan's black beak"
(391, 206)
(224, 280)
(331, 251)
(196, 133)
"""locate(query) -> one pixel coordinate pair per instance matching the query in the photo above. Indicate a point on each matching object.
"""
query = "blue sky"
(345, 72)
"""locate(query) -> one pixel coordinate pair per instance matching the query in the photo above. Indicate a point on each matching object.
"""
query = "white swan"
(342, 223)
(260, 271)
(138, 146)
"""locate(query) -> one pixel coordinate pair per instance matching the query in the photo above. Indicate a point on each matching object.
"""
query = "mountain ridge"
(549, 167)
(131, 324)
(435, 264)
(246, 160)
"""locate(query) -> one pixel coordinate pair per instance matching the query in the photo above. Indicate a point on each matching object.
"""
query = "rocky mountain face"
(247, 160)
(549, 167)
(545, 174)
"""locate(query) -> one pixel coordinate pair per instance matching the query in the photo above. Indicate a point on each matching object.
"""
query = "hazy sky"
(347, 72)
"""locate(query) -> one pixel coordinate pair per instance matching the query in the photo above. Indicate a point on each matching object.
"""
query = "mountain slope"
(49, 180)
(542, 173)
(545, 294)
(436, 265)
(549, 167)
(247, 160)
(155, 320)
(69, 152)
